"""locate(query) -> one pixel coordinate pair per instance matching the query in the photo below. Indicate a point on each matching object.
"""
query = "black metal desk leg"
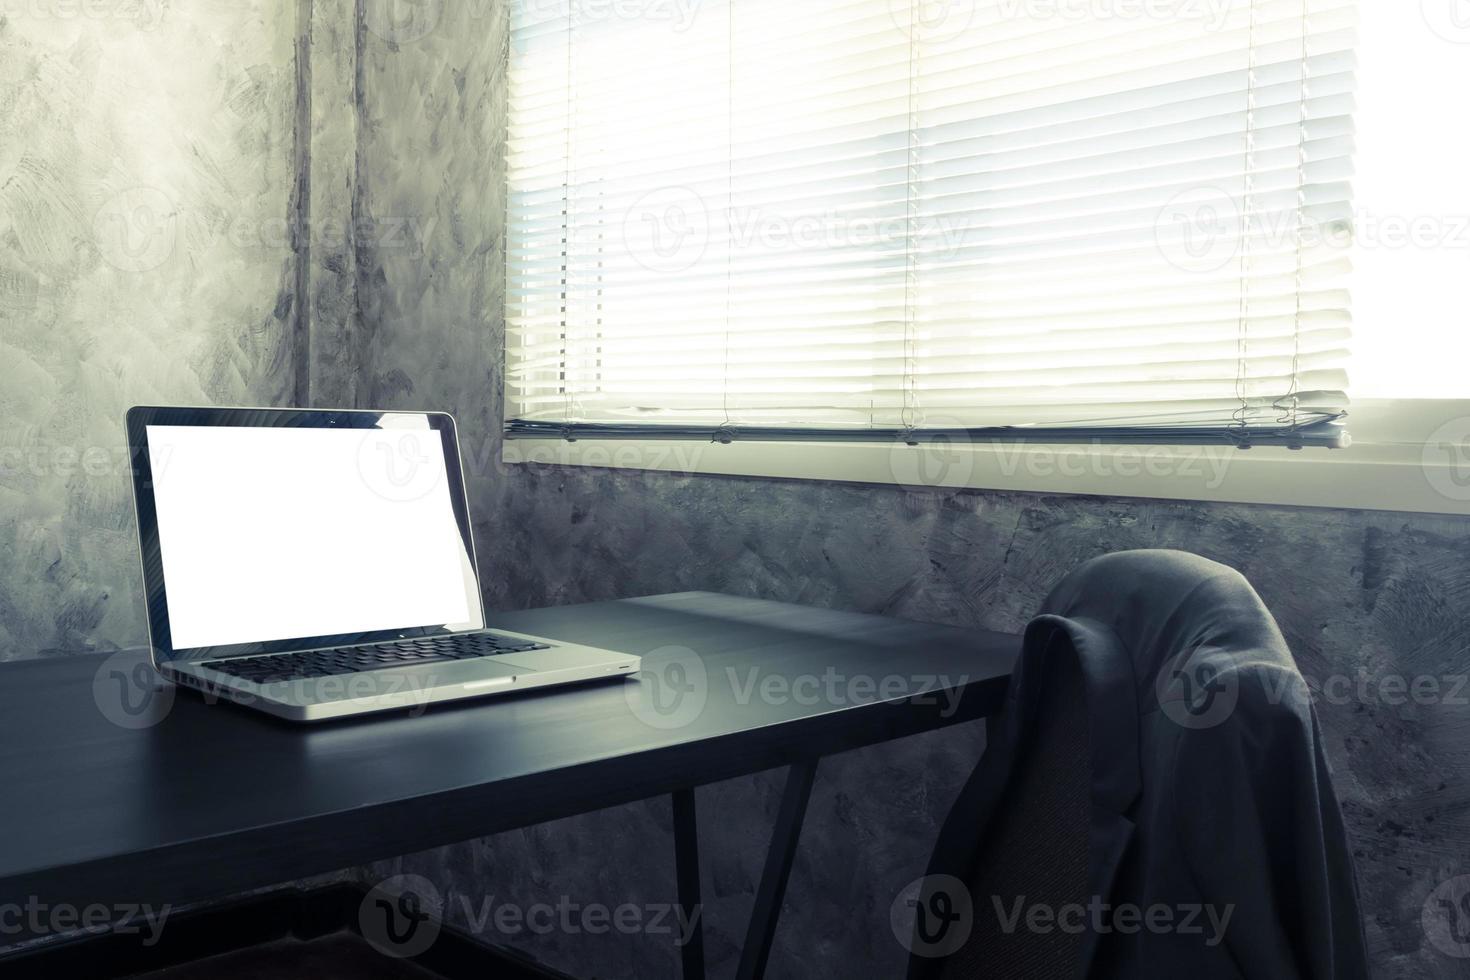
(994, 730)
(686, 870)
(772, 889)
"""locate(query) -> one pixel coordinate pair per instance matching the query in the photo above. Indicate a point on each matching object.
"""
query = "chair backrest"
(1029, 865)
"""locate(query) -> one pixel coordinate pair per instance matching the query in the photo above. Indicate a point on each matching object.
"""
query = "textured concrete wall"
(1359, 595)
(147, 174)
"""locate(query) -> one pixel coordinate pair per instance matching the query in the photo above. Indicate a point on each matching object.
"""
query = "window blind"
(858, 219)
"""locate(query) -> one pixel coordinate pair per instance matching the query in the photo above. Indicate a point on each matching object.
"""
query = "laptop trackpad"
(557, 658)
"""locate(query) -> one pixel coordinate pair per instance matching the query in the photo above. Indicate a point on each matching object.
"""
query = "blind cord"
(1293, 398)
(566, 214)
(726, 433)
(1242, 344)
(910, 409)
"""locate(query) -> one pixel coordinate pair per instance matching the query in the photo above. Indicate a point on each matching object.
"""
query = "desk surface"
(176, 799)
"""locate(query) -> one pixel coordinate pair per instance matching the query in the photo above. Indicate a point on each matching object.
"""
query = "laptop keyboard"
(377, 656)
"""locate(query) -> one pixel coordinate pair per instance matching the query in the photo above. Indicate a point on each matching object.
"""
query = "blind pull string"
(1242, 344)
(1293, 398)
(725, 434)
(909, 412)
(567, 346)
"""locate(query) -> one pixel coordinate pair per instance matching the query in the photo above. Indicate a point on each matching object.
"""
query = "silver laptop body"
(317, 564)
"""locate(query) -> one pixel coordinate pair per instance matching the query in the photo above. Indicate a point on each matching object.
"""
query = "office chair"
(1158, 748)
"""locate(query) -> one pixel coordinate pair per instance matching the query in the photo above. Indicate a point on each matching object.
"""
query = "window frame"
(1392, 464)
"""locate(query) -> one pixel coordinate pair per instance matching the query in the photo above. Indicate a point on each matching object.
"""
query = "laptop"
(318, 564)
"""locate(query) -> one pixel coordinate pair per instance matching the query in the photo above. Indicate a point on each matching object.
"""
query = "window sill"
(1408, 455)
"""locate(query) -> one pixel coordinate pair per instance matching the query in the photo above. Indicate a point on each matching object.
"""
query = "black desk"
(177, 800)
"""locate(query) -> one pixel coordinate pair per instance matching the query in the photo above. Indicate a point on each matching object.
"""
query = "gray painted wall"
(147, 170)
(105, 127)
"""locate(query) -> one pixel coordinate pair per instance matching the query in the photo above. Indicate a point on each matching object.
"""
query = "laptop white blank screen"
(283, 533)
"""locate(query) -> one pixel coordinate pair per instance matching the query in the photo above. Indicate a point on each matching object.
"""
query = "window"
(1412, 255)
(1138, 222)
(757, 217)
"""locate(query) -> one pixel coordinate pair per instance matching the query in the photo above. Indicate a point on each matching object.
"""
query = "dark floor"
(339, 957)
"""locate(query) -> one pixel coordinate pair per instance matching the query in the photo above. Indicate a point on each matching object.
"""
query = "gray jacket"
(1209, 787)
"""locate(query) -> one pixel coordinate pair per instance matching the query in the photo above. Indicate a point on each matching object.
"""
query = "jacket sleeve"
(1263, 834)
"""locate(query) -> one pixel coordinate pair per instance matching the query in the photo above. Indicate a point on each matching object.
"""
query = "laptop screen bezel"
(154, 584)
